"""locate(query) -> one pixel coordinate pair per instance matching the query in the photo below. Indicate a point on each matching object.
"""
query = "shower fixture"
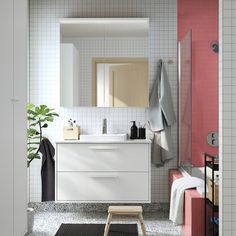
(215, 46)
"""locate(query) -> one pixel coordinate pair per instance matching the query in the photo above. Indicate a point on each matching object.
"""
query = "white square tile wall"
(44, 70)
(227, 125)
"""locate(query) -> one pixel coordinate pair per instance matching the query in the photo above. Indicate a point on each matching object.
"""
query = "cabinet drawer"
(102, 186)
(102, 157)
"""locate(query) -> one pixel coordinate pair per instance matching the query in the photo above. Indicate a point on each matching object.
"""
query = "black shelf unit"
(214, 166)
(210, 203)
(210, 162)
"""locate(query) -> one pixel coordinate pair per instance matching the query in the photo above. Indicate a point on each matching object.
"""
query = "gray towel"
(161, 117)
(162, 146)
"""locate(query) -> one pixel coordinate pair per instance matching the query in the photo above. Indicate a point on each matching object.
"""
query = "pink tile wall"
(202, 17)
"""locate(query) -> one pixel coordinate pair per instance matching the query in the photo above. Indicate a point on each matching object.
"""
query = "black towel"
(47, 170)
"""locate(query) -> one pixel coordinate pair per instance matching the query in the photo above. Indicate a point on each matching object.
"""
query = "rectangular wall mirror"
(104, 62)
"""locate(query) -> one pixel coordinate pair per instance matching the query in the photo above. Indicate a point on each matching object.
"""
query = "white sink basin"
(103, 137)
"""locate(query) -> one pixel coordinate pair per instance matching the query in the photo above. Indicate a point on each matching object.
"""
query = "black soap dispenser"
(133, 131)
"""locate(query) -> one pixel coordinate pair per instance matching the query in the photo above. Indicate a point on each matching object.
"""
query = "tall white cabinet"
(103, 172)
(13, 73)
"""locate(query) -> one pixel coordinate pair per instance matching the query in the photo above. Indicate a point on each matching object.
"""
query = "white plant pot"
(30, 219)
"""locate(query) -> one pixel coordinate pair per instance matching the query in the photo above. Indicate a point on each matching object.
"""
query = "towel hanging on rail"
(47, 170)
(177, 197)
(161, 117)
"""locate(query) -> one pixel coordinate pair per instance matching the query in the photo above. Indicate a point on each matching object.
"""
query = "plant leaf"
(37, 111)
(32, 132)
(52, 114)
(45, 111)
(30, 106)
(31, 118)
(33, 124)
(50, 119)
(30, 149)
(33, 156)
(31, 112)
(42, 107)
(33, 143)
(45, 125)
(35, 137)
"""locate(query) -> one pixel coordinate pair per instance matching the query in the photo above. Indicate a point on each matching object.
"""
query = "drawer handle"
(103, 176)
(100, 148)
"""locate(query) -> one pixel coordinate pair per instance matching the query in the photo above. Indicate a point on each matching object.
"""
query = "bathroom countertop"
(135, 141)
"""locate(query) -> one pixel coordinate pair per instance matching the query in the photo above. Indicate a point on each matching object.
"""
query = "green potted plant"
(38, 119)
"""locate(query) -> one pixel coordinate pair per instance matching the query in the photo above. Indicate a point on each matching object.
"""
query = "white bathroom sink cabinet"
(103, 172)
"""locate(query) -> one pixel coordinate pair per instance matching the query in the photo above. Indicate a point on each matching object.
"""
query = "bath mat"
(97, 230)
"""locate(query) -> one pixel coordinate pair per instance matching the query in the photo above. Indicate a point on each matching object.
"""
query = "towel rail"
(168, 62)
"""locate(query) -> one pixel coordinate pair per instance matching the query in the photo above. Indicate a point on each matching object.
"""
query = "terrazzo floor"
(47, 223)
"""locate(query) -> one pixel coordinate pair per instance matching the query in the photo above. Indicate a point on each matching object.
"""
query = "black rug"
(97, 230)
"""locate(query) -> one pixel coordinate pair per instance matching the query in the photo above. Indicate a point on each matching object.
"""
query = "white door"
(13, 73)
(126, 78)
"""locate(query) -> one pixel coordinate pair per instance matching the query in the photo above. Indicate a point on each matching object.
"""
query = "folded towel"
(177, 196)
(201, 190)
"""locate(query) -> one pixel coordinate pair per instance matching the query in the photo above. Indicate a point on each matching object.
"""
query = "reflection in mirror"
(101, 59)
(121, 82)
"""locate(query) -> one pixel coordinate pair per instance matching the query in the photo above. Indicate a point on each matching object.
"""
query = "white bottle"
(70, 123)
(216, 180)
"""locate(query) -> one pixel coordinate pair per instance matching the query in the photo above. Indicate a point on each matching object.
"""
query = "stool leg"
(106, 230)
(140, 216)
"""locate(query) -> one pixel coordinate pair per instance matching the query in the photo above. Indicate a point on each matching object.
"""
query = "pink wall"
(202, 17)
(193, 214)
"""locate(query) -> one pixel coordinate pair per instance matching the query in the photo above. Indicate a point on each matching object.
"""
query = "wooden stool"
(136, 211)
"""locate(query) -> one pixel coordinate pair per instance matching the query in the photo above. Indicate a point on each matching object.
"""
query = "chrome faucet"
(104, 126)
